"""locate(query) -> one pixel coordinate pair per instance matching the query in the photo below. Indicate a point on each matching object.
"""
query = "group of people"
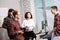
(25, 31)
(17, 31)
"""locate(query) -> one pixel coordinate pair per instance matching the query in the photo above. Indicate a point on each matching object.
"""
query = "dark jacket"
(6, 23)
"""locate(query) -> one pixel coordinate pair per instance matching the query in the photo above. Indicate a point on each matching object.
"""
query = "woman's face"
(17, 16)
(29, 15)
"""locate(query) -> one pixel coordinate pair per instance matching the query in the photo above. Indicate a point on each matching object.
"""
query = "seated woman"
(16, 30)
(29, 25)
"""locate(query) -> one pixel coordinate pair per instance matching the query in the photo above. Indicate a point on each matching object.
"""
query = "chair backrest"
(43, 39)
(3, 34)
(56, 38)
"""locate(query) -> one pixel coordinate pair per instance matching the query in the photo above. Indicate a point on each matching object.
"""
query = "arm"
(54, 27)
(23, 24)
(13, 32)
(56, 21)
(4, 25)
(52, 30)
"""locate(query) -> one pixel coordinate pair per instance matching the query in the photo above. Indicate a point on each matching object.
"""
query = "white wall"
(10, 4)
(15, 4)
(3, 13)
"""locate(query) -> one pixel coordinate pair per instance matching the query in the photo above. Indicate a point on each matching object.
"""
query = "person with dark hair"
(29, 25)
(16, 29)
(6, 23)
(26, 15)
(54, 7)
(10, 12)
(56, 27)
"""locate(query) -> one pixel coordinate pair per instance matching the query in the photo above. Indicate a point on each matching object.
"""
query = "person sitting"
(56, 27)
(6, 23)
(16, 30)
(29, 25)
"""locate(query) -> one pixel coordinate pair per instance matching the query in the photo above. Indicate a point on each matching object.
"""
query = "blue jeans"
(49, 36)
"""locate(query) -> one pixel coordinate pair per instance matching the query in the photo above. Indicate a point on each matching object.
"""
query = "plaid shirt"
(57, 24)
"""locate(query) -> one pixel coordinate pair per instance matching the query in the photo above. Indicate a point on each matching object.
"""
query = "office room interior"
(40, 10)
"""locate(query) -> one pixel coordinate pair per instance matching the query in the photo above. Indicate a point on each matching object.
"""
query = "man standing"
(56, 27)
